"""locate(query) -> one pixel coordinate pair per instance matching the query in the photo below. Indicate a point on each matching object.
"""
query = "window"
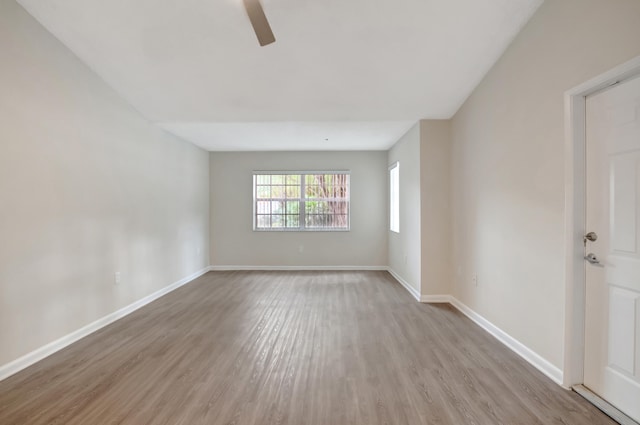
(394, 197)
(301, 201)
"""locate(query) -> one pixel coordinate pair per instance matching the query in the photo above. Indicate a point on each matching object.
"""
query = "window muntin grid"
(301, 201)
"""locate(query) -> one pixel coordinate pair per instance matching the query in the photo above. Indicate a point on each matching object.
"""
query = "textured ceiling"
(343, 70)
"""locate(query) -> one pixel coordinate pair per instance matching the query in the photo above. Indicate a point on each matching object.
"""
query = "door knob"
(591, 236)
(591, 258)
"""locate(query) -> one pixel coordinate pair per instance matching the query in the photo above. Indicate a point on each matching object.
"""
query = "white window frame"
(302, 209)
(394, 197)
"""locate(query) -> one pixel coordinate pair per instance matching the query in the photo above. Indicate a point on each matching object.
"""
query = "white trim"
(516, 346)
(523, 351)
(413, 291)
(436, 299)
(510, 342)
(57, 345)
(574, 327)
(574, 229)
(602, 404)
(533, 358)
(298, 268)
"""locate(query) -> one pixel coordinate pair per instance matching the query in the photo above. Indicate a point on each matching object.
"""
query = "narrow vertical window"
(394, 197)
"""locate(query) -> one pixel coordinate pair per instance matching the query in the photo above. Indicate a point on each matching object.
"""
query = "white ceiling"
(356, 72)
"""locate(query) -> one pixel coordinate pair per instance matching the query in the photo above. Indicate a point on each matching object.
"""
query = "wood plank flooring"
(317, 348)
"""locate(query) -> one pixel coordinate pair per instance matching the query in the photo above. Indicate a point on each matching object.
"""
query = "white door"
(612, 337)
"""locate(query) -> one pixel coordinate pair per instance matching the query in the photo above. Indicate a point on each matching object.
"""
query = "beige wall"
(234, 243)
(87, 188)
(435, 216)
(421, 253)
(508, 166)
(404, 247)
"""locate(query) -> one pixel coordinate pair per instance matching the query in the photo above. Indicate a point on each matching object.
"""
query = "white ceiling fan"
(259, 22)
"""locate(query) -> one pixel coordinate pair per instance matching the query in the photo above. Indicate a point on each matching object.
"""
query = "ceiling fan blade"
(259, 21)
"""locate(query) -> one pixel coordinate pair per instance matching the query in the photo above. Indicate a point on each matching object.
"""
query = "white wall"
(87, 187)
(405, 247)
(507, 166)
(435, 207)
(234, 243)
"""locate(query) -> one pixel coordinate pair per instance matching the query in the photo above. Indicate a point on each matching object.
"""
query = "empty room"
(319, 212)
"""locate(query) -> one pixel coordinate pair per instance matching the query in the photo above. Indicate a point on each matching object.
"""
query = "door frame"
(575, 211)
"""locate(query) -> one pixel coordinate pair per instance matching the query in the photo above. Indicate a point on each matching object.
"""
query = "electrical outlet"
(117, 278)
(301, 248)
(475, 279)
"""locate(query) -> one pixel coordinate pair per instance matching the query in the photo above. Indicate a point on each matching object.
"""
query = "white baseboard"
(296, 268)
(413, 291)
(57, 345)
(436, 299)
(516, 346)
(523, 351)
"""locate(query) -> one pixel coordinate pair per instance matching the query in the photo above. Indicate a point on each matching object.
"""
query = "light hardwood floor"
(325, 348)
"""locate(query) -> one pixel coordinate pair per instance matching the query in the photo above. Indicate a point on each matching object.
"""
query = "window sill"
(300, 230)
